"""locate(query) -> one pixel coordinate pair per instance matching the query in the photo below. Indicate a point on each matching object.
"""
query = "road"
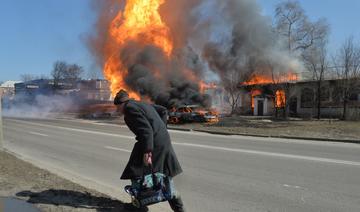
(221, 173)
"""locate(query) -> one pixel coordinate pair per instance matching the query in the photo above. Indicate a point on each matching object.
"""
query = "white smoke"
(40, 107)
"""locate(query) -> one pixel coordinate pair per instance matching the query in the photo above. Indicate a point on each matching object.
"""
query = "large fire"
(162, 51)
(140, 22)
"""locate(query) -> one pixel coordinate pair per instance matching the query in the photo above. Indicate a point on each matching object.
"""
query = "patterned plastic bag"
(151, 189)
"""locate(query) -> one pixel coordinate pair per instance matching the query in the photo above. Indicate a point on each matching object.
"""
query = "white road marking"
(273, 154)
(291, 186)
(119, 149)
(79, 130)
(40, 134)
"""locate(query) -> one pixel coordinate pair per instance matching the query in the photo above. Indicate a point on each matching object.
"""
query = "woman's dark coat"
(152, 136)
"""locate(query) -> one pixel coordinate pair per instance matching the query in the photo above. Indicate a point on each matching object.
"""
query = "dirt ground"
(323, 129)
(48, 192)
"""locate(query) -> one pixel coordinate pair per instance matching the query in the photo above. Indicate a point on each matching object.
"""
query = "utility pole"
(1, 127)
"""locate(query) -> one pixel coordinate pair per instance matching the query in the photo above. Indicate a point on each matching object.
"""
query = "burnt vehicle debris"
(192, 113)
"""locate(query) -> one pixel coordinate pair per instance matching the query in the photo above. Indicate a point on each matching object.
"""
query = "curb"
(180, 129)
(273, 136)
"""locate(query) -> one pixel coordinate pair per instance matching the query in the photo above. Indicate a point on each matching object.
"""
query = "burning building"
(299, 98)
(264, 95)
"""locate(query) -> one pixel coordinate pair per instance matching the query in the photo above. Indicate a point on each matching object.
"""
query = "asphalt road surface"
(221, 173)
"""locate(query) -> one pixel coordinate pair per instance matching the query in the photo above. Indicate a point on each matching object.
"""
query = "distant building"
(34, 87)
(84, 89)
(8, 88)
(94, 90)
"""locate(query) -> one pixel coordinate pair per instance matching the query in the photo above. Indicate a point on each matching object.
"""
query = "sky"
(36, 33)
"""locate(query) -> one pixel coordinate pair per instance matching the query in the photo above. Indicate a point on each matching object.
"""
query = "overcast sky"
(36, 33)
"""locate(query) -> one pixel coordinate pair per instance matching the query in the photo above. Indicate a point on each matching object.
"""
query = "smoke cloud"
(211, 38)
(233, 35)
(41, 106)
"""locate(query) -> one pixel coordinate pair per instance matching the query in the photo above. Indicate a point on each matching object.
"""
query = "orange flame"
(140, 22)
(257, 79)
(280, 98)
(263, 79)
(254, 93)
(205, 86)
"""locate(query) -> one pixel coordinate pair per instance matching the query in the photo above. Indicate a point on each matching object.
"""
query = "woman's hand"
(147, 159)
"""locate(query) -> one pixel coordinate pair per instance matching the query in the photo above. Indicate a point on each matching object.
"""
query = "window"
(354, 97)
(325, 94)
(307, 98)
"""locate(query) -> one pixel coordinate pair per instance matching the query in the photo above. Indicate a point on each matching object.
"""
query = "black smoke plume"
(163, 80)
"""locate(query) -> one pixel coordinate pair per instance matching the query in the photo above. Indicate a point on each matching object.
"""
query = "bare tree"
(30, 77)
(94, 73)
(63, 72)
(316, 61)
(231, 82)
(73, 73)
(347, 66)
(293, 25)
(58, 73)
(303, 38)
(27, 77)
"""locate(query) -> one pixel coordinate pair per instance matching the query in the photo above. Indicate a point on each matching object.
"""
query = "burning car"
(192, 113)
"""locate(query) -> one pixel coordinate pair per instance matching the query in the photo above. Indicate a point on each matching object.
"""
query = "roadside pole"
(1, 128)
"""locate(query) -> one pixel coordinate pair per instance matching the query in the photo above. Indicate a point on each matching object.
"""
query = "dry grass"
(333, 129)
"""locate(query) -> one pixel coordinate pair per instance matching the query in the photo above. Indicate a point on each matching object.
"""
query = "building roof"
(9, 84)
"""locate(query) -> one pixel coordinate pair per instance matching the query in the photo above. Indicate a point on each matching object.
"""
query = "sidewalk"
(47, 191)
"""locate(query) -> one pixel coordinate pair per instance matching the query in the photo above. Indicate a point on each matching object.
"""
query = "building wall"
(8, 89)
(94, 90)
(268, 108)
(245, 107)
(331, 105)
(9, 92)
(85, 90)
